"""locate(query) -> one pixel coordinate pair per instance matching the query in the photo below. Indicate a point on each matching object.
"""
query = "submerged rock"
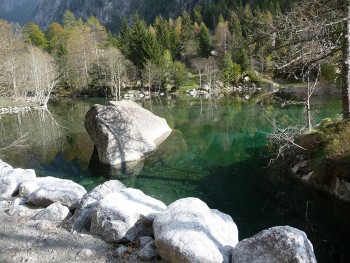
(189, 231)
(275, 245)
(123, 131)
(125, 216)
(82, 215)
(44, 191)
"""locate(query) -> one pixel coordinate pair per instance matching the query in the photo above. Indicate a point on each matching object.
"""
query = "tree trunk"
(346, 67)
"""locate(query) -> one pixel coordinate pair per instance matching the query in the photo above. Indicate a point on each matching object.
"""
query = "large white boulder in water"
(275, 245)
(123, 131)
(189, 231)
(125, 216)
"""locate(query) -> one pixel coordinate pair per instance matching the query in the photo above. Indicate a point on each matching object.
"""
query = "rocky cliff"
(109, 12)
(20, 11)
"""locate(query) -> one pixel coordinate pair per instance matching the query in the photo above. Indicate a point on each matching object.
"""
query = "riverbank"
(141, 228)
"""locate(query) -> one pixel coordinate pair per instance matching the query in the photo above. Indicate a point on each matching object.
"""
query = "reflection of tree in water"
(42, 131)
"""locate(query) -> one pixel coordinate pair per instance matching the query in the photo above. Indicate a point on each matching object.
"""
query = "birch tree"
(115, 66)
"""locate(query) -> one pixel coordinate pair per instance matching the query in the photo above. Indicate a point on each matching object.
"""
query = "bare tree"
(152, 75)
(42, 75)
(199, 65)
(116, 68)
(222, 38)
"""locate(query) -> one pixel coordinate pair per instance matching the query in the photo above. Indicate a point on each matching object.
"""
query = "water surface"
(217, 151)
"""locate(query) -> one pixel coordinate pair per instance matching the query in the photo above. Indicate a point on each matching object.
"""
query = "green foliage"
(35, 36)
(330, 73)
(243, 59)
(69, 20)
(230, 71)
(205, 43)
(179, 73)
(337, 141)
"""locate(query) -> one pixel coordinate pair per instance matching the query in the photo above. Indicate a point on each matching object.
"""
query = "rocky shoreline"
(54, 220)
(337, 187)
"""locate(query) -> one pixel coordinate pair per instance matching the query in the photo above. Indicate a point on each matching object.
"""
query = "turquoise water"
(217, 151)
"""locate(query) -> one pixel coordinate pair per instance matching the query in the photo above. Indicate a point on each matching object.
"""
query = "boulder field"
(140, 227)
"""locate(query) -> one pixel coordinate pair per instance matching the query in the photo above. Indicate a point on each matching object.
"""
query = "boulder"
(44, 191)
(82, 215)
(275, 245)
(4, 167)
(10, 180)
(125, 216)
(54, 212)
(124, 131)
(189, 231)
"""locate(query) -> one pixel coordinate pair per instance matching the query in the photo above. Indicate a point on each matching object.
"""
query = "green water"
(217, 152)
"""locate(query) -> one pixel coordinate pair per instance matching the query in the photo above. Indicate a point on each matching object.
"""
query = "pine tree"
(124, 37)
(69, 20)
(230, 71)
(243, 59)
(205, 43)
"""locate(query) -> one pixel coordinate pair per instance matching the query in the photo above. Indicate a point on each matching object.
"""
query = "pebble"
(143, 241)
(119, 251)
(85, 252)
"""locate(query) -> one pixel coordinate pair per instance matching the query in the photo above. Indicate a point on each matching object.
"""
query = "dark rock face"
(124, 131)
(110, 11)
(275, 245)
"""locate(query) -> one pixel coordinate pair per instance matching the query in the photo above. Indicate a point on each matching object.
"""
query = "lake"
(217, 151)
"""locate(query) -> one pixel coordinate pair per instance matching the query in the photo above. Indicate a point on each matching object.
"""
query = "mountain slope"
(110, 12)
(21, 11)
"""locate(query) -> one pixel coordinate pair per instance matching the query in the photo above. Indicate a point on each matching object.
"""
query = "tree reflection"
(36, 130)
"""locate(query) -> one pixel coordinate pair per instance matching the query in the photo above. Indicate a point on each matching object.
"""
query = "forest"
(216, 43)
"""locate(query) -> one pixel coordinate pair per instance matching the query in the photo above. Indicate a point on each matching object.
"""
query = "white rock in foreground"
(125, 216)
(189, 231)
(275, 245)
(82, 215)
(54, 212)
(43, 191)
(10, 180)
(4, 167)
(123, 131)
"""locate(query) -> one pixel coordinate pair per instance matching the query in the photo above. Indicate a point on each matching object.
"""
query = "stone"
(4, 205)
(4, 168)
(123, 131)
(19, 210)
(125, 216)
(189, 231)
(44, 191)
(10, 180)
(143, 241)
(46, 226)
(148, 253)
(82, 215)
(119, 251)
(86, 253)
(275, 245)
(54, 212)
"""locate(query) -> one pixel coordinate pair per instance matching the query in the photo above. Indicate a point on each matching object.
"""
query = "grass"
(329, 148)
